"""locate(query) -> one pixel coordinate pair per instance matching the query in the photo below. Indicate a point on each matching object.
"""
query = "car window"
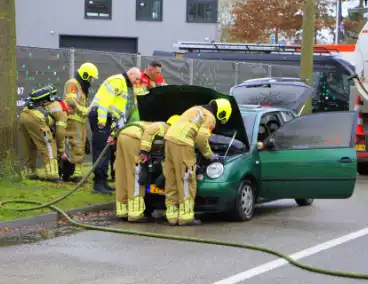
(287, 116)
(316, 131)
(269, 123)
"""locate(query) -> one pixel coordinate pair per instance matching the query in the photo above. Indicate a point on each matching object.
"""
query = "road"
(91, 257)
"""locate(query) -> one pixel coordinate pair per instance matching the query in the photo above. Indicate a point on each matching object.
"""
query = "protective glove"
(144, 156)
(63, 156)
(111, 140)
(87, 147)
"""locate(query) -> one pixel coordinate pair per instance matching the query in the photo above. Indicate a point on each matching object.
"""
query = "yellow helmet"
(223, 110)
(88, 70)
(172, 119)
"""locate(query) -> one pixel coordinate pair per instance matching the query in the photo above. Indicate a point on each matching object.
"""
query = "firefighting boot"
(136, 208)
(172, 214)
(121, 209)
(99, 187)
(52, 171)
(31, 173)
(186, 213)
(77, 176)
(107, 186)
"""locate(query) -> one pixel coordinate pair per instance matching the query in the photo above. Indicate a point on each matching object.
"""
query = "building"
(115, 25)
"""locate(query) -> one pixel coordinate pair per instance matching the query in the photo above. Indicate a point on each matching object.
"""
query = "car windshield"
(279, 95)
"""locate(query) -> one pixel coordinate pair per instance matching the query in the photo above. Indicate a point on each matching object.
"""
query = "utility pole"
(306, 60)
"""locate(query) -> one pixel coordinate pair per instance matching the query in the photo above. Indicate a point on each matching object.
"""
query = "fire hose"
(50, 205)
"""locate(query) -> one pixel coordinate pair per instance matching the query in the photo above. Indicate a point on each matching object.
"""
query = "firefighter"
(110, 109)
(194, 127)
(133, 147)
(76, 131)
(151, 77)
(43, 110)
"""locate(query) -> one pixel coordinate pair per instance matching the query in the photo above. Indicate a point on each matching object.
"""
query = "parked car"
(287, 92)
(269, 153)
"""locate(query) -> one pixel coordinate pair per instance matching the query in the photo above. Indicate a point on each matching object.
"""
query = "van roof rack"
(197, 46)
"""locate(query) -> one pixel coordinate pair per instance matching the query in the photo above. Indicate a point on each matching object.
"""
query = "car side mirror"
(270, 144)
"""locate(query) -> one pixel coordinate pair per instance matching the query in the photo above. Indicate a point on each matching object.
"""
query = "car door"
(313, 157)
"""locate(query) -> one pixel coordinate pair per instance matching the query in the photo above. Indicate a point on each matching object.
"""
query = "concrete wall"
(36, 18)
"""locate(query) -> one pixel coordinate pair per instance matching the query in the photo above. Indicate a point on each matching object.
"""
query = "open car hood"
(162, 102)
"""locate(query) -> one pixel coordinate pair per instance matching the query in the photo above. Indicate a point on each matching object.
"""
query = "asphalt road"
(91, 257)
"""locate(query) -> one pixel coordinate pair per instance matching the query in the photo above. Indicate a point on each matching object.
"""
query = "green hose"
(165, 236)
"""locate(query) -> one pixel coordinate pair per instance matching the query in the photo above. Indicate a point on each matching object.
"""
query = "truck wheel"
(362, 169)
(245, 202)
(304, 201)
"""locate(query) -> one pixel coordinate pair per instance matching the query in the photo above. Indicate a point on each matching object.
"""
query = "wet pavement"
(65, 254)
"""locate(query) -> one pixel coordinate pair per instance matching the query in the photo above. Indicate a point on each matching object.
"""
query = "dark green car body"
(303, 158)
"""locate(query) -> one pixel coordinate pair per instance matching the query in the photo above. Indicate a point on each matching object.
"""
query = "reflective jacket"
(193, 128)
(135, 131)
(153, 131)
(115, 96)
(73, 90)
(146, 83)
(52, 114)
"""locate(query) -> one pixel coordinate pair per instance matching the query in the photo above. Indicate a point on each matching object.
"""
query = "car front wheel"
(304, 201)
(245, 202)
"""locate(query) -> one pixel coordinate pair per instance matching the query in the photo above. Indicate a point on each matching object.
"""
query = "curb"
(49, 220)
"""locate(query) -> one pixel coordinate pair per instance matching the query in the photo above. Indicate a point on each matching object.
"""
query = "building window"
(98, 9)
(202, 11)
(149, 10)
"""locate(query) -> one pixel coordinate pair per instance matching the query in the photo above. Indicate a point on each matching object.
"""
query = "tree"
(9, 166)
(256, 20)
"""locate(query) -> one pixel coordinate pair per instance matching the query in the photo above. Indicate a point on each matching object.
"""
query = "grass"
(45, 192)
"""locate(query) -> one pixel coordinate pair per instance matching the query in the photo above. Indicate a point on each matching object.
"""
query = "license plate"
(155, 190)
(360, 147)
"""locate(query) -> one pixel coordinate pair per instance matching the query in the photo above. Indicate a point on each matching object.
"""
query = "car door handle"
(345, 160)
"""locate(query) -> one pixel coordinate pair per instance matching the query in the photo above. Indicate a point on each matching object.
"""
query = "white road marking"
(296, 256)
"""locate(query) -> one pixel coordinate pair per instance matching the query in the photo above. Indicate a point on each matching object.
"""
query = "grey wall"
(35, 19)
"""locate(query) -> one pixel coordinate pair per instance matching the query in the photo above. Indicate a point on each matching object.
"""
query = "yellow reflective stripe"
(204, 131)
(56, 109)
(101, 108)
(60, 123)
(116, 110)
(108, 88)
(102, 115)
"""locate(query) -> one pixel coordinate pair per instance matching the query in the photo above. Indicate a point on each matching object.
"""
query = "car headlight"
(215, 170)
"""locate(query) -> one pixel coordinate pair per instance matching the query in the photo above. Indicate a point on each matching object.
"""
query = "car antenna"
(231, 142)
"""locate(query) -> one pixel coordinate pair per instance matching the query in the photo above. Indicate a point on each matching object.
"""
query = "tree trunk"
(276, 36)
(9, 166)
(306, 61)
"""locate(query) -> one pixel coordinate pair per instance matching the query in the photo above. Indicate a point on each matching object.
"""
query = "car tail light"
(360, 141)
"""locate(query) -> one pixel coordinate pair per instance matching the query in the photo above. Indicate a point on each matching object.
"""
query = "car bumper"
(362, 157)
(211, 197)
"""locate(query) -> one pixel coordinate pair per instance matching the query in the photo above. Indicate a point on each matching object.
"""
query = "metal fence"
(39, 66)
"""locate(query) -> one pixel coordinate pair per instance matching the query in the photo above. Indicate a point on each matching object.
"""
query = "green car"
(268, 153)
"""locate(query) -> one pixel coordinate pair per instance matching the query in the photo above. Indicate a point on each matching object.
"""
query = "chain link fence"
(37, 67)
(40, 66)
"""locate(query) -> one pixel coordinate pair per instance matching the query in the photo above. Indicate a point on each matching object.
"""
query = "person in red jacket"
(151, 77)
